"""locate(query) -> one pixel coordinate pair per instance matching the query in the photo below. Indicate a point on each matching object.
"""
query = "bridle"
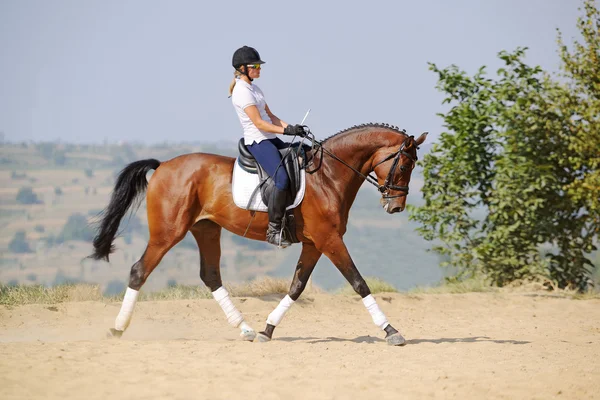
(387, 184)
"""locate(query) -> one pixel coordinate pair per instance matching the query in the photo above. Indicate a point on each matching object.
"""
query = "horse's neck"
(357, 150)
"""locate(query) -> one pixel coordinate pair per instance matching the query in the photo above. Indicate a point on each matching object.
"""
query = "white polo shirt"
(245, 95)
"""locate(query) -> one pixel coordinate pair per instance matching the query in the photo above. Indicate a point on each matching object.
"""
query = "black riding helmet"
(243, 56)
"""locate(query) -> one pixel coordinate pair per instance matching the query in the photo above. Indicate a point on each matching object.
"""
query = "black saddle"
(290, 163)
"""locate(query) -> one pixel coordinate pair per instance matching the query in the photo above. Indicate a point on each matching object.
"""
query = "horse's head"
(393, 167)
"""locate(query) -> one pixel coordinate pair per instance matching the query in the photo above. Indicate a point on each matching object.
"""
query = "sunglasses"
(253, 66)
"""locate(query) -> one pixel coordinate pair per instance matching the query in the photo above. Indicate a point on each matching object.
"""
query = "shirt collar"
(243, 82)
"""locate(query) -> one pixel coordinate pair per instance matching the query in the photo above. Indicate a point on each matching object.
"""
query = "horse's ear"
(421, 138)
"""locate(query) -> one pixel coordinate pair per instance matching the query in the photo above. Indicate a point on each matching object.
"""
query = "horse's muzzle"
(396, 209)
(392, 210)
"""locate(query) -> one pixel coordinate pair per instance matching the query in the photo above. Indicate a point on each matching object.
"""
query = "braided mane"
(369, 125)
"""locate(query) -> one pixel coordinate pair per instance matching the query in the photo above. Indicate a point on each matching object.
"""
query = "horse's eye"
(403, 168)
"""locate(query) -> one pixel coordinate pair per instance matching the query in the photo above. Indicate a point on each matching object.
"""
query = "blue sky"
(156, 71)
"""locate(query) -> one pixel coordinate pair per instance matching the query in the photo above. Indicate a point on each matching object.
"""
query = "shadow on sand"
(372, 339)
(314, 340)
(473, 339)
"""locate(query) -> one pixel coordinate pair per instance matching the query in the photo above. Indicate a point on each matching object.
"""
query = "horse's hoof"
(248, 335)
(395, 339)
(114, 334)
(262, 338)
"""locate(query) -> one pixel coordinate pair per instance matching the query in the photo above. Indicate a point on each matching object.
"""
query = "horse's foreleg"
(208, 237)
(337, 252)
(306, 264)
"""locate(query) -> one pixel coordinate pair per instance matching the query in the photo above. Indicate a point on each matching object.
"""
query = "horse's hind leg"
(137, 277)
(208, 237)
(306, 264)
(166, 230)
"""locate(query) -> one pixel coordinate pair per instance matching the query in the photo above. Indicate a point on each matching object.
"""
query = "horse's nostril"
(397, 209)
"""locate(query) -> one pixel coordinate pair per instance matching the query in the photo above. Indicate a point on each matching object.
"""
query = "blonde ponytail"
(236, 75)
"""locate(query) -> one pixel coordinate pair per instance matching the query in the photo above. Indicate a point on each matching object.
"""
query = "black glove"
(294, 130)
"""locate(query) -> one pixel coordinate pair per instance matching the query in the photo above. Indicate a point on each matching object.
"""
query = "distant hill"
(48, 187)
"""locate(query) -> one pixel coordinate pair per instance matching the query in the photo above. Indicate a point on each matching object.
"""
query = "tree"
(60, 158)
(76, 228)
(26, 195)
(114, 287)
(46, 149)
(581, 69)
(16, 175)
(19, 244)
(517, 169)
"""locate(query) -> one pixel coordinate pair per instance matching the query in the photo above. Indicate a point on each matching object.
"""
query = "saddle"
(290, 156)
(293, 161)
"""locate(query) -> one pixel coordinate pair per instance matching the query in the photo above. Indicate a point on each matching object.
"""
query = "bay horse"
(193, 193)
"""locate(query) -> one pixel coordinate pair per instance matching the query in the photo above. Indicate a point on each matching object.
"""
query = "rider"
(260, 126)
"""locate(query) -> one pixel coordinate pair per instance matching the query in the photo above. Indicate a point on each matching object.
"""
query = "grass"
(467, 286)
(256, 288)
(481, 285)
(39, 294)
(375, 284)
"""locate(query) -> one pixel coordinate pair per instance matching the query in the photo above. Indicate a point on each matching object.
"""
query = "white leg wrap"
(234, 317)
(378, 316)
(277, 315)
(127, 307)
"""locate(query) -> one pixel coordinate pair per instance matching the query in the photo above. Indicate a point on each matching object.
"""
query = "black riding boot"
(277, 206)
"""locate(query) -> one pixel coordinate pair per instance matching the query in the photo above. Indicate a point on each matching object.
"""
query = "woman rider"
(260, 126)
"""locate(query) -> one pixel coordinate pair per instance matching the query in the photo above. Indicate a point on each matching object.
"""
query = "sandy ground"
(473, 346)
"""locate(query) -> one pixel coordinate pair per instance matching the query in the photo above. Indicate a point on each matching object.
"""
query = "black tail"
(130, 184)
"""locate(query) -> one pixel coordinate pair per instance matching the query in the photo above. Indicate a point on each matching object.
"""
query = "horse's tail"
(130, 184)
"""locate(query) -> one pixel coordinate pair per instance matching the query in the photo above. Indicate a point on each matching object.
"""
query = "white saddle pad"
(244, 184)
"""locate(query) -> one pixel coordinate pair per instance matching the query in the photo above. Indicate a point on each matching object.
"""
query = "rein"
(369, 178)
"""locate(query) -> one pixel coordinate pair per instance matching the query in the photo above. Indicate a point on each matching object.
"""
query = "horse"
(193, 192)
